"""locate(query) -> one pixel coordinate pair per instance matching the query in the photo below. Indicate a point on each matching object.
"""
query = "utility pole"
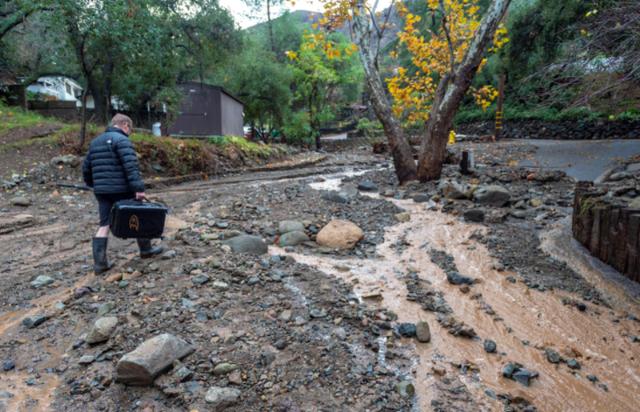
(500, 109)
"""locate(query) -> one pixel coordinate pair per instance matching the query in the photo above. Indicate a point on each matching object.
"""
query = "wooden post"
(500, 108)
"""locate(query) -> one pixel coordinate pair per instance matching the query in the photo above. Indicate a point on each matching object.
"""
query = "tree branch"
(452, 59)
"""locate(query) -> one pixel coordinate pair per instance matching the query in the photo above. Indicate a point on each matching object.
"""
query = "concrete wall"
(232, 116)
(608, 228)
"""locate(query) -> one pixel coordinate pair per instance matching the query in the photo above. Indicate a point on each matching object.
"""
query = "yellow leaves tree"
(444, 63)
(436, 48)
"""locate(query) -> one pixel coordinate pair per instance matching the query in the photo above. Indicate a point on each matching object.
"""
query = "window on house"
(68, 87)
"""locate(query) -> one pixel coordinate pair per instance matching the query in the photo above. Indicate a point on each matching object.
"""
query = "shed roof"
(211, 86)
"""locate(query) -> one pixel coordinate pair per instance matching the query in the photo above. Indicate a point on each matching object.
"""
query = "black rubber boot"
(100, 263)
(146, 250)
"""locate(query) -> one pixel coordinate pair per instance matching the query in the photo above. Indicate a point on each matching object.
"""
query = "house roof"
(211, 86)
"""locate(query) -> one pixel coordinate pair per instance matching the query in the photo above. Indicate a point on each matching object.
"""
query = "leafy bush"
(369, 128)
(298, 129)
(245, 146)
(544, 113)
(14, 117)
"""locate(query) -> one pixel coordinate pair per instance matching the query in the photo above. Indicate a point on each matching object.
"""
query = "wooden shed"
(208, 110)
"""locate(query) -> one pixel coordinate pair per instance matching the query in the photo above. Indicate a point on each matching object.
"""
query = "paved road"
(581, 159)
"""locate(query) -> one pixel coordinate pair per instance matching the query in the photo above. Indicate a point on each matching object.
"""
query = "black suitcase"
(140, 220)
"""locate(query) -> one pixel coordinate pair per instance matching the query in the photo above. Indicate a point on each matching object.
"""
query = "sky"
(244, 17)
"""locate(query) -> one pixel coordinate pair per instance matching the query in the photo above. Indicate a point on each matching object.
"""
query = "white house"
(58, 87)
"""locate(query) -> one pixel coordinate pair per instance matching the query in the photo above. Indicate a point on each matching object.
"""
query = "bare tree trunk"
(400, 149)
(83, 126)
(451, 90)
(269, 22)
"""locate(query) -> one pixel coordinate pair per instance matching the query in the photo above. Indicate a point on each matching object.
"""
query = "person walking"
(111, 169)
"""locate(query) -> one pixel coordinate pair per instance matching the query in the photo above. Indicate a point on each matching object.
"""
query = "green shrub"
(298, 129)
(245, 146)
(369, 128)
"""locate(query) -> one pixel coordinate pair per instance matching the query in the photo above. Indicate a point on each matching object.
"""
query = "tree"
(257, 5)
(366, 29)
(323, 71)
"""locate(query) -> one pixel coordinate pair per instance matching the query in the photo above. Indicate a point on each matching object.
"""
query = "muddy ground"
(310, 328)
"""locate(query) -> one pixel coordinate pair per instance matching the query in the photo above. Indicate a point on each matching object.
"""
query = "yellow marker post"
(452, 137)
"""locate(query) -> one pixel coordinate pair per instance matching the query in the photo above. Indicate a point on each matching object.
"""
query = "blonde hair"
(121, 120)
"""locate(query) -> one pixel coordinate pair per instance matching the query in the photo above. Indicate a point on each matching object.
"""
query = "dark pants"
(106, 201)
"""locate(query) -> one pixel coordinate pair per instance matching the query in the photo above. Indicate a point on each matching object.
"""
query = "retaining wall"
(608, 228)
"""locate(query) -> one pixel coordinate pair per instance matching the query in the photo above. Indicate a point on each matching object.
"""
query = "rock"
(552, 356)
(408, 330)
(235, 377)
(492, 195)
(423, 332)
(518, 373)
(367, 186)
(619, 176)
(34, 321)
(317, 313)
(403, 217)
(337, 197)
(102, 330)
(406, 389)
(200, 279)
(456, 278)
(421, 198)
(453, 190)
(183, 374)
(8, 365)
(21, 201)
(524, 376)
(169, 254)
(340, 234)
(592, 378)
(573, 364)
(489, 346)
(86, 360)
(41, 281)
(141, 366)
(474, 215)
(635, 203)
(287, 226)
(70, 160)
(293, 238)
(633, 167)
(535, 202)
(220, 398)
(247, 244)
(224, 368)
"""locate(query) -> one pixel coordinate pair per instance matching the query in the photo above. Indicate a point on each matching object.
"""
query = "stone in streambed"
(41, 281)
(141, 366)
(423, 332)
(408, 330)
(474, 215)
(456, 278)
(21, 201)
(406, 389)
(247, 244)
(224, 368)
(489, 346)
(33, 321)
(287, 226)
(102, 330)
(573, 364)
(220, 398)
(367, 186)
(293, 238)
(552, 356)
(340, 234)
(492, 195)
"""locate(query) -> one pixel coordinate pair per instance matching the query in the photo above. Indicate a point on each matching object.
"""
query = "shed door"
(194, 118)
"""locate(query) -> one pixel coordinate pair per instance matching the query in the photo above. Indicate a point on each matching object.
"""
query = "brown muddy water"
(528, 321)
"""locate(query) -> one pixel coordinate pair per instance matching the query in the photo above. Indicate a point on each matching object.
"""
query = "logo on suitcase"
(134, 223)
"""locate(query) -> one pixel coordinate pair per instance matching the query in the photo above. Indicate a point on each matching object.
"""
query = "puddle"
(528, 320)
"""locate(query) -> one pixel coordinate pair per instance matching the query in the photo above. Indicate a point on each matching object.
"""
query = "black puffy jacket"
(111, 165)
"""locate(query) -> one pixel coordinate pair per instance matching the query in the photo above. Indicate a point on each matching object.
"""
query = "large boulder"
(492, 195)
(287, 226)
(102, 330)
(248, 244)
(152, 357)
(340, 234)
(293, 238)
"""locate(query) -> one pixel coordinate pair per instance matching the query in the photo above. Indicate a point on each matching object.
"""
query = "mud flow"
(521, 321)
